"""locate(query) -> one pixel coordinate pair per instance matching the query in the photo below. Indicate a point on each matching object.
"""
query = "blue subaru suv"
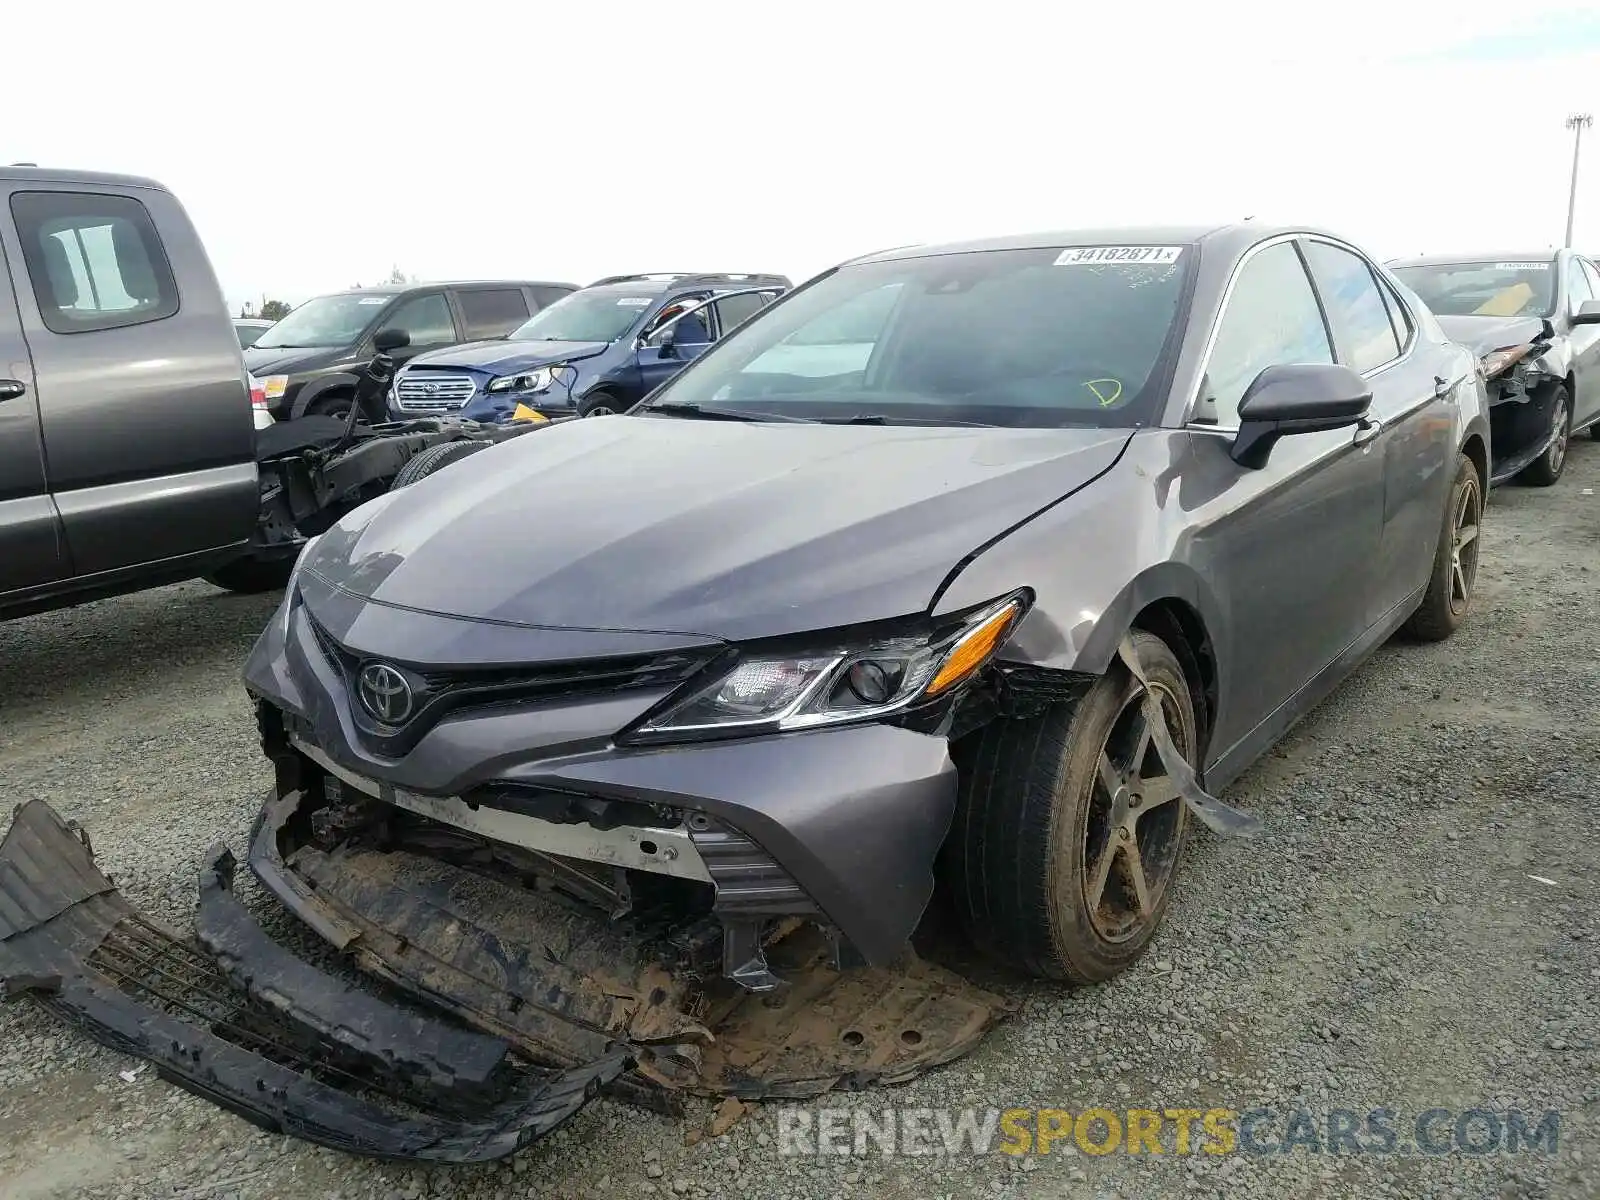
(598, 350)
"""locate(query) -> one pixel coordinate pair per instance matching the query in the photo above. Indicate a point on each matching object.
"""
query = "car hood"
(500, 358)
(1483, 334)
(290, 360)
(727, 530)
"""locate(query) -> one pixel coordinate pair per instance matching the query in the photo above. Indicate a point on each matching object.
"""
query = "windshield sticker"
(1121, 255)
(1528, 266)
(1107, 391)
(373, 300)
(634, 301)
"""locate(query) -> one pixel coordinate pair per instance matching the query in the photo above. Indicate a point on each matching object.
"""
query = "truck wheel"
(1455, 560)
(434, 458)
(1547, 468)
(1068, 831)
(247, 576)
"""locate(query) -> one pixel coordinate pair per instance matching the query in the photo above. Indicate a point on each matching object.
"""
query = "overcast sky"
(319, 144)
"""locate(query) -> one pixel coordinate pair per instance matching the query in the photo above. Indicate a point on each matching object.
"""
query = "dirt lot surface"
(1416, 930)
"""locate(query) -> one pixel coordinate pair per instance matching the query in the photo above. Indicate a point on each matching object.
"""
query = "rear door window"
(95, 261)
(736, 309)
(1362, 328)
(426, 319)
(492, 312)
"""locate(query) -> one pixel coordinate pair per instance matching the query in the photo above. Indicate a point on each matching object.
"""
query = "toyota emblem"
(430, 388)
(385, 693)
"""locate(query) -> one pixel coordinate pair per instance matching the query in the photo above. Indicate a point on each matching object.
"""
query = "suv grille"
(429, 391)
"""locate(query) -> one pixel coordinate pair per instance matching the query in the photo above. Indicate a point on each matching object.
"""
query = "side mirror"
(386, 340)
(1296, 398)
(667, 341)
(1588, 313)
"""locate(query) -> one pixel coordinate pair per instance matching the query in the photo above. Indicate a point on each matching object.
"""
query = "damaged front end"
(1522, 381)
(232, 1017)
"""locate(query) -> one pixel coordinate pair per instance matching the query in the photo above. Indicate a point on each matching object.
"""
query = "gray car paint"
(1574, 353)
(129, 459)
(676, 534)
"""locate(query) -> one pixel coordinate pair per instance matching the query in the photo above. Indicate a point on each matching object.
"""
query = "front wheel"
(1068, 830)
(335, 405)
(1547, 468)
(601, 404)
(1455, 560)
(247, 576)
(435, 458)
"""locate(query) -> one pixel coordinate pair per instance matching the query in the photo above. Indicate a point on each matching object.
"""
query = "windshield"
(1482, 289)
(1039, 337)
(592, 315)
(325, 321)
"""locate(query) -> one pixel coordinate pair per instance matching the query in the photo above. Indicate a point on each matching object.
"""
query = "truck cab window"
(95, 261)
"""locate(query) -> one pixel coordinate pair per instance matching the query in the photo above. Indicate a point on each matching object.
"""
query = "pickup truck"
(135, 448)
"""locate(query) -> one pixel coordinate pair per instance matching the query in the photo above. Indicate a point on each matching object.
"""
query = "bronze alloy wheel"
(1464, 544)
(1135, 823)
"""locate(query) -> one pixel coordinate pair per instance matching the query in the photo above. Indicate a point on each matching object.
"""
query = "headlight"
(860, 683)
(275, 386)
(294, 582)
(529, 381)
(1499, 361)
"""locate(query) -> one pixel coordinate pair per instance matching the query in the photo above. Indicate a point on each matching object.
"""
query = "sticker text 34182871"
(1119, 255)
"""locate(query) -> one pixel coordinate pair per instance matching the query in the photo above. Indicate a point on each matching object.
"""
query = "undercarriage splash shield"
(264, 1035)
(560, 984)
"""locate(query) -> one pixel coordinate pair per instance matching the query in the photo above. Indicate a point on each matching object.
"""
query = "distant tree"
(274, 310)
(398, 276)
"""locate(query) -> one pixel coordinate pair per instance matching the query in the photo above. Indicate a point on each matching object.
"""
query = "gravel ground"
(1386, 945)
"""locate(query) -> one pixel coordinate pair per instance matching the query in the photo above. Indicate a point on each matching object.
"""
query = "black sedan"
(991, 559)
(1534, 322)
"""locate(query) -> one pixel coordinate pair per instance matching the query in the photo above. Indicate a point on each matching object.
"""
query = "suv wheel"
(1068, 832)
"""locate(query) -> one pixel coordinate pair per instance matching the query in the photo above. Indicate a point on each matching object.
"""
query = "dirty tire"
(247, 576)
(1455, 568)
(335, 405)
(434, 458)
(1547, 468)
(1017, 863)
(599, 403)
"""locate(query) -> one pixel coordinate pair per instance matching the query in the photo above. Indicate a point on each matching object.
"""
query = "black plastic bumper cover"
(255, 1030)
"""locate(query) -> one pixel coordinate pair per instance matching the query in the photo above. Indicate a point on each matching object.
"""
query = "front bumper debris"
(560, 981)
(256, 1031)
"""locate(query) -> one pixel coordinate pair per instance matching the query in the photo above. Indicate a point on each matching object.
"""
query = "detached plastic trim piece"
(63, 925)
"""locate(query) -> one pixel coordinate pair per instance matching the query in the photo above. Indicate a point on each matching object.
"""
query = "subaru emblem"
(385, 693)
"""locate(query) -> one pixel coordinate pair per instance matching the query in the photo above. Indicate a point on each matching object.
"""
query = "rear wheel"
(1068, 831)
(1455, 560)
(435, 458)
(1547, 468)
(247, 576)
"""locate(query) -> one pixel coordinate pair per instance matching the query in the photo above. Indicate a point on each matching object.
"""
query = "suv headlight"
(528, 381)
(770, 694)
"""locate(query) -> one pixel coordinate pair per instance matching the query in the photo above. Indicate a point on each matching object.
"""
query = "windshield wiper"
(719, 414)
(883, 419)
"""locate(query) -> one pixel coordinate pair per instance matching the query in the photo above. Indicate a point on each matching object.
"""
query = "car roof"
(1547, 254)
(1231, 237)
(662, 282)
(30, 173)
(399, 289)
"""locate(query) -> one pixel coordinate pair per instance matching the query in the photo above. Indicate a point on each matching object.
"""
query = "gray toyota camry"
(985, 564)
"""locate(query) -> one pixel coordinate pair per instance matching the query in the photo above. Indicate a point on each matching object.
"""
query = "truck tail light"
(258, 392)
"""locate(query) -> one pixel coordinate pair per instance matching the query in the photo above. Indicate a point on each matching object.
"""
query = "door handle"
(10, 389)
(1369, 428)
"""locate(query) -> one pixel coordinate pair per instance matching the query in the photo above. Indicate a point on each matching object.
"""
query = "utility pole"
(1577, 122)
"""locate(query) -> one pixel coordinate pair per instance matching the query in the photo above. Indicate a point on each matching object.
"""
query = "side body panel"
(31, 547)
(148, 431)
